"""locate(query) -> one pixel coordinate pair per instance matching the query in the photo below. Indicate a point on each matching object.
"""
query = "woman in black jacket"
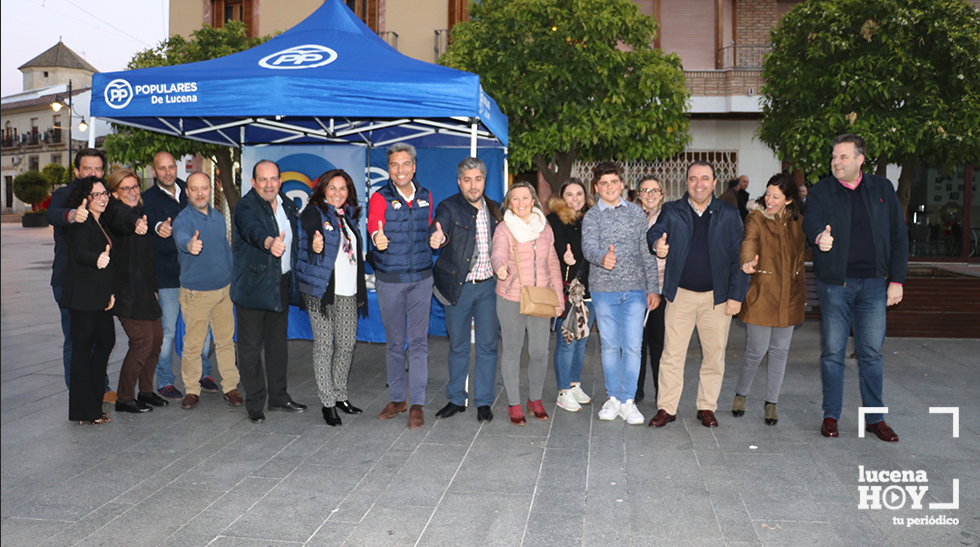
(135, 286)
(88, 297)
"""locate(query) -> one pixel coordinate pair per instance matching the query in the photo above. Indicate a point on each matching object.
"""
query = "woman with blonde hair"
(524, 254)
(650, 197)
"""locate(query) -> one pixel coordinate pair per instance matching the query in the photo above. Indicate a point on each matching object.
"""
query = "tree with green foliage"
(55, 173)
(902, 74)
(32, 187)
(136, 147)
(577, 78)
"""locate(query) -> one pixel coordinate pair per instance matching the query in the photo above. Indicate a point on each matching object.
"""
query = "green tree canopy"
(55, 173)
(32, 188)
(575, 78)
(902, 74)
(136, 147)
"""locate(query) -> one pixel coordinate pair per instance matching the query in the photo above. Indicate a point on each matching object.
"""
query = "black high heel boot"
(330, 416)
(771, 416)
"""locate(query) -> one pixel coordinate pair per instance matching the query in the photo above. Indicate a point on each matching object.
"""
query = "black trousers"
(653, 345)
(260, 330)
(93, 335)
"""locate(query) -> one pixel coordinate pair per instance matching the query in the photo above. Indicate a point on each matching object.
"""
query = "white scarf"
(525, 231)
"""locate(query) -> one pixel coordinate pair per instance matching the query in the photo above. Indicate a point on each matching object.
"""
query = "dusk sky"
(106, 33)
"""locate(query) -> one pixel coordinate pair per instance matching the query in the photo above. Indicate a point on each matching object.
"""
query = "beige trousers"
(688, 310)
(199, 309)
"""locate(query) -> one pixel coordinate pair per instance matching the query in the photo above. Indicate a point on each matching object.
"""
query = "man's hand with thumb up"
(195, 245)
(103, 259)
(278, 245)
(825, 241)
(380, 241)
(661, 246)
(438, 237)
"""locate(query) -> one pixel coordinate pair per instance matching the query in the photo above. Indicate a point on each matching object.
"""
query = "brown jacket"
(777, 291)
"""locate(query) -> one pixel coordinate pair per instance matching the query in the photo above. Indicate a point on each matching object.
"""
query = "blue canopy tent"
(327, 81)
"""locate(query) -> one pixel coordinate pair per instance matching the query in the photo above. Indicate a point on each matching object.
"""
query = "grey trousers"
(513, 327)
(758, 341)
(334, 338)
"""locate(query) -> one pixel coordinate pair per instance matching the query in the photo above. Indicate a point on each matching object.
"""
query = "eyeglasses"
(651, 191)
(127, 189)
(99, 195)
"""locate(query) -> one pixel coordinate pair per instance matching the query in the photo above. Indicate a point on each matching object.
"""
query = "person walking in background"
(88, 297)
(330, 274)
(624, 284)
(463, 228)
(856, 223)
(399, 215)
(134, 285)
(772, 252)
(524, 254)
(651, 198)
(567, 210)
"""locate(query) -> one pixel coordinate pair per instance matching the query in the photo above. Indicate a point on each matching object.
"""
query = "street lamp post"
(70, 103)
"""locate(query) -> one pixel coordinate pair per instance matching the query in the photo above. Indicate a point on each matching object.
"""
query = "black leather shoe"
(348, 408)
(450, 410)
(483, 414)
(330, 416)
(291, 406)
(132, 406)
(256, 417)
(151, 399)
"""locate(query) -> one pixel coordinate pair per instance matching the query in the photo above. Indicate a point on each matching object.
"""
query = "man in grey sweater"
(624, 285)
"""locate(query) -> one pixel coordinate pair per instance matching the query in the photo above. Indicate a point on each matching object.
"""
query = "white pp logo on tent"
(306, 56)
(118, 93)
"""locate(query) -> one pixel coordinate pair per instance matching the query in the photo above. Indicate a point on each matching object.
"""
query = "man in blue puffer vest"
(399, 215)
(265, 248)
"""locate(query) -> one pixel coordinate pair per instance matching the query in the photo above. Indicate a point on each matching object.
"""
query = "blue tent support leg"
(474, 124)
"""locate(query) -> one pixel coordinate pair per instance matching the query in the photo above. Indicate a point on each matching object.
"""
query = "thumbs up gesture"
(569, 256)
(661, 246)
(195, 245)
(103, 259)
(437, 237)
(317, 242)
(502, 273)
(825, 241)
(80, 213)
(380, 241)
(609, 261)
(749, 267)
(165, 229)
(278, 245)
(141, 226)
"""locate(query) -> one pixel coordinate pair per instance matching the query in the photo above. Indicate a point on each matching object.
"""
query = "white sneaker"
(580, 395)
(631, 414)
(610, 410)
(566, 400)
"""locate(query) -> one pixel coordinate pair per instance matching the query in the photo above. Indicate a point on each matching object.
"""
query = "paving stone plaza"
(209, 477)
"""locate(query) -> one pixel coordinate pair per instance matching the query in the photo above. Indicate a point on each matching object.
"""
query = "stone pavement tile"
(361, 444)
(733, 517)
(495, 519)
(331, 534)
(853, 525)
(297, 506)
(225, 541)
(425, 476)
(227, 467)
(647, 459)
(545, 529)
(774, 533)
(780, 501)
(671, 511)
(459, 429)
(572, 430)
(211, 522)
(142, 525)
(500, 465)
(88, 525)
(17, 531)
(564, 470)
(390, 526)
(297, 452)
(369, 489)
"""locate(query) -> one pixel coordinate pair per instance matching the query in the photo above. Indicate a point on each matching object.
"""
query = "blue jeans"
(570, 356)
(405, 311)
(477, 302)
(170, 305)
(857, 304)
(66, 331)
(620, 317)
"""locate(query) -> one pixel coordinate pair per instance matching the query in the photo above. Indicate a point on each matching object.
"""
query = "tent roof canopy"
(329, 79)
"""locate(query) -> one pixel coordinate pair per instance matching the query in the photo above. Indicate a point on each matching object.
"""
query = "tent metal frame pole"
(91, 135)
(474, 122)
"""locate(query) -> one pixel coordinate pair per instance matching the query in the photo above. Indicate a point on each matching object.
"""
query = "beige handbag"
(535, 301)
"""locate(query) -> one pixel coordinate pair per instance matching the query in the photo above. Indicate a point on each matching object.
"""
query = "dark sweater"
(133, 282)
(696, 275)
(861, 258)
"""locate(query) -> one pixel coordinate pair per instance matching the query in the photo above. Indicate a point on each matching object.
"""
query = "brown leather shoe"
(662, 419)
(707, 418)
(883, 432)
(189, 402)
(536, 408)
(234, 398)
(829, 427)
(415, 417)
(392, 409)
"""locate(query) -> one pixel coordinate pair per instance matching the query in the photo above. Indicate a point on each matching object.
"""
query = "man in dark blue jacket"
(704, 287)
(399, 215)
(856, 223)
(463, 229)
(162, 202)
(88, 162)
(265, 248)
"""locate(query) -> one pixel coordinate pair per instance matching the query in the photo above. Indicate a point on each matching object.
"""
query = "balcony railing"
(33, 138)
(390, 37)
(744, 56)
(441, 42)
(54, 135)
(11, 139)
